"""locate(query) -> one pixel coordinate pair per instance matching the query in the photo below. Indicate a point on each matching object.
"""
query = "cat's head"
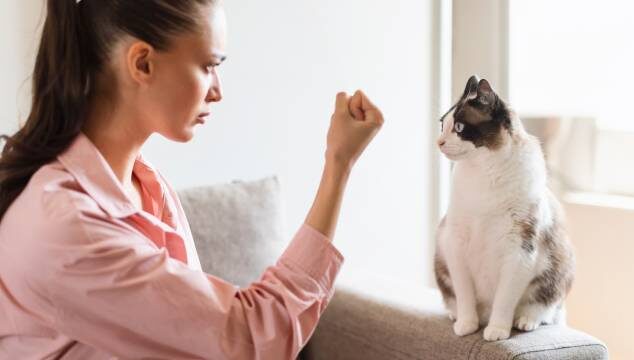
(479, 120)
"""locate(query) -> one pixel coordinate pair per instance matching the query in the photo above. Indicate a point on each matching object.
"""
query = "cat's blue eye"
(458, 127)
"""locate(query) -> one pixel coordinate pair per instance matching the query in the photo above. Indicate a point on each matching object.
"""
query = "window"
(571, 65)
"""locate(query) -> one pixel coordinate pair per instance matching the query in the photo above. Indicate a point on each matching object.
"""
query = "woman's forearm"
(324, 213)
(353, 125)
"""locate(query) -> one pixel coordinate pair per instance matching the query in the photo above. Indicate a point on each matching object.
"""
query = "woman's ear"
(140, 62)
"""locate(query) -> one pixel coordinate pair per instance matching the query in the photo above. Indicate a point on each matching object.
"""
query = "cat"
(503, 258)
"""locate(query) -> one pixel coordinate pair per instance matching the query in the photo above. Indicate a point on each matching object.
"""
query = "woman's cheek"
(204, 83)
(189, 97)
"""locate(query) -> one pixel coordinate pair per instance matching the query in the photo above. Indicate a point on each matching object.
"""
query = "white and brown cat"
(503, 258)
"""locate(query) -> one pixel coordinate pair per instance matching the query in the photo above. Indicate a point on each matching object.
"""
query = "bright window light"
(573, 57)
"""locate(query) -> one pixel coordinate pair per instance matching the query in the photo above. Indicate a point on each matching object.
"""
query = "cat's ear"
(472, 86)
(486, 95)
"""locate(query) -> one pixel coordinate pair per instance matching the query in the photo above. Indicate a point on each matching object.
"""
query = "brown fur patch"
(528, 229)
(443, 279)
(473, 116)
(554, 283)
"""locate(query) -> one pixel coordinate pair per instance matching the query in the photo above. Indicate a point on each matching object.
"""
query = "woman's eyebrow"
(220, 57)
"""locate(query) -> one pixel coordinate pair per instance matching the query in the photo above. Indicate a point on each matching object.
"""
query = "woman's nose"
(441, 142)
(215, 91)
(214, 94)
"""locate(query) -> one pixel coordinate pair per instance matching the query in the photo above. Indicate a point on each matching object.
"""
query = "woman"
(96, 256)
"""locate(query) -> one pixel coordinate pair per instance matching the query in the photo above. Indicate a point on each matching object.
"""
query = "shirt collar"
(84, 161)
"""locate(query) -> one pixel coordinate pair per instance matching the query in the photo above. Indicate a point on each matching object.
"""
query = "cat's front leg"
(467, 320)
(515, 275)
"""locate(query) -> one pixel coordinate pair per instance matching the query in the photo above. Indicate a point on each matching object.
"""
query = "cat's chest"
(482, 249)
(480, 232)
(475, 194)
(480, 235)
(477, 204)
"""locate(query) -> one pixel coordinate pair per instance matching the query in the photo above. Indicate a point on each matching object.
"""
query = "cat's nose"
(441, 142)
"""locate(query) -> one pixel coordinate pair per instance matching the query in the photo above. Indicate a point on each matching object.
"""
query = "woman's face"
(185, 83)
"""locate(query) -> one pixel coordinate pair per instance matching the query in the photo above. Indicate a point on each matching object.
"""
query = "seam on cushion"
(535, 348)
(554, 346)
(342, 331)
(513, 357)
(479, 343)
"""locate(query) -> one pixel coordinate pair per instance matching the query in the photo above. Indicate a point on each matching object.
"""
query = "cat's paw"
(494, 333)
(527, 323)
(462, 328)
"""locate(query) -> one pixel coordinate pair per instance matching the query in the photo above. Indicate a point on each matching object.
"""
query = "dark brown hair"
(75, 46)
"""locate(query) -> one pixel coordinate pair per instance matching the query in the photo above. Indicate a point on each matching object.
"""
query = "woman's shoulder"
(51, 196)
(58, 189)
(50, 215)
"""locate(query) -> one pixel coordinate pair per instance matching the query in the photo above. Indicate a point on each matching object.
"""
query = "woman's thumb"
(341, 103)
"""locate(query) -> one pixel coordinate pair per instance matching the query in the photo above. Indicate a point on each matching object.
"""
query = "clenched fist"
(354, 123)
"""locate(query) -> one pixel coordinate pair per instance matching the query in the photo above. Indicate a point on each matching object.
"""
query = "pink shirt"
(86, 275)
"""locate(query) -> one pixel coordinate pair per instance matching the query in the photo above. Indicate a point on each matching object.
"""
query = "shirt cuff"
(313, 253)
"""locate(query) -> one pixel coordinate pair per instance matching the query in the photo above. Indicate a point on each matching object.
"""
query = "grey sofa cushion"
(237, 227)
(358, 326)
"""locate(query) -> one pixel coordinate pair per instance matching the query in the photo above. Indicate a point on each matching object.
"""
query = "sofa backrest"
(237, 227)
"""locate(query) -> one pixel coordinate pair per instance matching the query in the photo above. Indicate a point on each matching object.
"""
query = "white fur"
(480, 240)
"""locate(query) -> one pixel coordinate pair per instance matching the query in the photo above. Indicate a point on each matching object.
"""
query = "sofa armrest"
(360, 326)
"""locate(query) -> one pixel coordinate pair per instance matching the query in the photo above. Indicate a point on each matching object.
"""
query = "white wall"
(18, 25)
(600, 302)
(480, 43)
(287, 60)
(9, 39)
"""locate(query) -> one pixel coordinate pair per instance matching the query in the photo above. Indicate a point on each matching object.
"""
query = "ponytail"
(60, 84)
(76, 42)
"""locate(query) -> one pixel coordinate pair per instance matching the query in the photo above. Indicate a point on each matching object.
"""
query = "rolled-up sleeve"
(110, 288)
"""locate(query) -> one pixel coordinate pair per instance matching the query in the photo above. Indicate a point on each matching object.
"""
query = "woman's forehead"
(208, 44)
(209, 39)
(214, 28)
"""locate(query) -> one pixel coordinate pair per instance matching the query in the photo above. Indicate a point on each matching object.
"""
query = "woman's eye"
(459, 127)
(210, 67)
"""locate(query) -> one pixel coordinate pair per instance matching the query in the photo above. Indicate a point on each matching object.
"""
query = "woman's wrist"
(337, 170)
(324, 213)
(338, 164)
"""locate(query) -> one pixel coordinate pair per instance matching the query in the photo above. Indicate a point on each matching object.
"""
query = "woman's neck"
(116, 133)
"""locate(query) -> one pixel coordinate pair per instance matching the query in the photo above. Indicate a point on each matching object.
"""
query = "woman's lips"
(202, 117)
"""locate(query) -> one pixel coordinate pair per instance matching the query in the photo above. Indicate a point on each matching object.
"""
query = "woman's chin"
(182, 136)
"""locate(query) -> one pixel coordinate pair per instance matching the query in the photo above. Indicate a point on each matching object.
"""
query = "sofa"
(238, 230)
